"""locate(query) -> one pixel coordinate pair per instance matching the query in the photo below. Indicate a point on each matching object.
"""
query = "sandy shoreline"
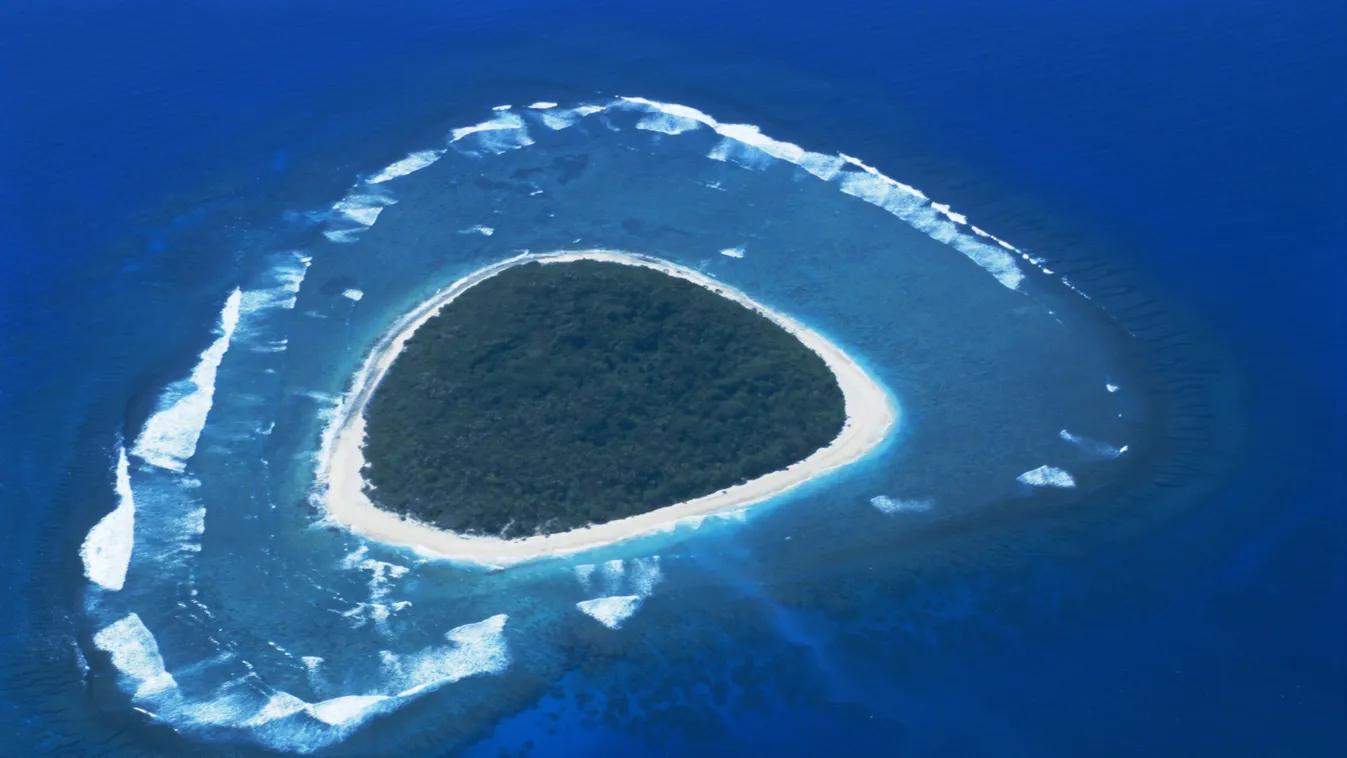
(870, 414)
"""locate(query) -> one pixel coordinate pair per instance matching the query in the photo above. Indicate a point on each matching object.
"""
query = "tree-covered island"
(549, 397)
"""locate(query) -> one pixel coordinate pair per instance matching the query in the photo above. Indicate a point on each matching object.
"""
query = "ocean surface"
(1094, 254)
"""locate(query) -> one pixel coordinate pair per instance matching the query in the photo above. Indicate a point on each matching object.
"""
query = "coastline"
(870, 414)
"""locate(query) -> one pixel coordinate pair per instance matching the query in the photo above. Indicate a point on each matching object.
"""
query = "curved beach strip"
(870, 414)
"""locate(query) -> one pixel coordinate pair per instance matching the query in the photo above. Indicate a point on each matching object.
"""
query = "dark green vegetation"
(554, 396)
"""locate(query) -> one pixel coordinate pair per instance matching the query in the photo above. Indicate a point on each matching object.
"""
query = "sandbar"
(871, 413)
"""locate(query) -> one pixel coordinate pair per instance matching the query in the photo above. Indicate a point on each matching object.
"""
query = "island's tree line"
(554, 396)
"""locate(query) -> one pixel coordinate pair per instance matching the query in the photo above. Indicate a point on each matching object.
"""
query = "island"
(552, 403)
(551, 397)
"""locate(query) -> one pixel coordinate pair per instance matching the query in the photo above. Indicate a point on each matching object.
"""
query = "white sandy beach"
(870, 415)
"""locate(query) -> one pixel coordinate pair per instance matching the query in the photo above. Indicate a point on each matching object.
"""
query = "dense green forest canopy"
(549, 397)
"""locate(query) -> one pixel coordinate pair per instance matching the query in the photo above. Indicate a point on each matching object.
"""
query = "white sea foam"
(746, 145)
(1047, 476)
(733, 252)
(910, 205)
(271, 346)
(375, 610)
(363, 613)
(363, 208)
(353, 294)
(287, 276)
(558, 120)
(667, 123)
(504, 132)
(1093, 447)
(170, 435)
(135, 653)
(245, 702)
(194, 524)
(413, 162)
(477, 648)
(344, 235)
(279, 706)
(1112, 387)
(563, 118)
(612, 572)
(485, 231)
(733, 151)
(886, 504)
(340, 711)
(645, 574)
(81, 662)
(583, 574)
(106, 552)
(610, 611)
(957, 218)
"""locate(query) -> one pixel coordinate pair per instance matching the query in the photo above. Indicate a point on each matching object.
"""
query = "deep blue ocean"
(1181, 163)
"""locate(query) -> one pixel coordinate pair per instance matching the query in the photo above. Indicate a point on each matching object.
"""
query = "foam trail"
(733, 252)
(1093, 447)
(363, 209)
(667, 123)
(288, 277)
(583, 574)
(957, 218)
(910, 205)
(135, 653)
(886, 504)
(563, 118)
(170, 435)
(1047, 476)
(559, 119)
(106, 552)
(746, 145)
(344, 710)
(485, 231)
(613, 571)
(612, 612)
(645, 574)
(412, 163)
(734, 151)
(478, 648)
(356, 212)
(246, 703)
(344, 236)
(504, 132)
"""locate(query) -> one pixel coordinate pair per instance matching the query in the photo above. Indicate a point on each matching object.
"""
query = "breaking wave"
(366, 623)
(106, 551)
(170, 435)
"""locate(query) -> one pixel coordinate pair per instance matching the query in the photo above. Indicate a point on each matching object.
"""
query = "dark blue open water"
(1180, 162)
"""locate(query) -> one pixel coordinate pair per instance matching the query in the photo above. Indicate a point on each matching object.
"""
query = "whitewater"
(234, 609)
